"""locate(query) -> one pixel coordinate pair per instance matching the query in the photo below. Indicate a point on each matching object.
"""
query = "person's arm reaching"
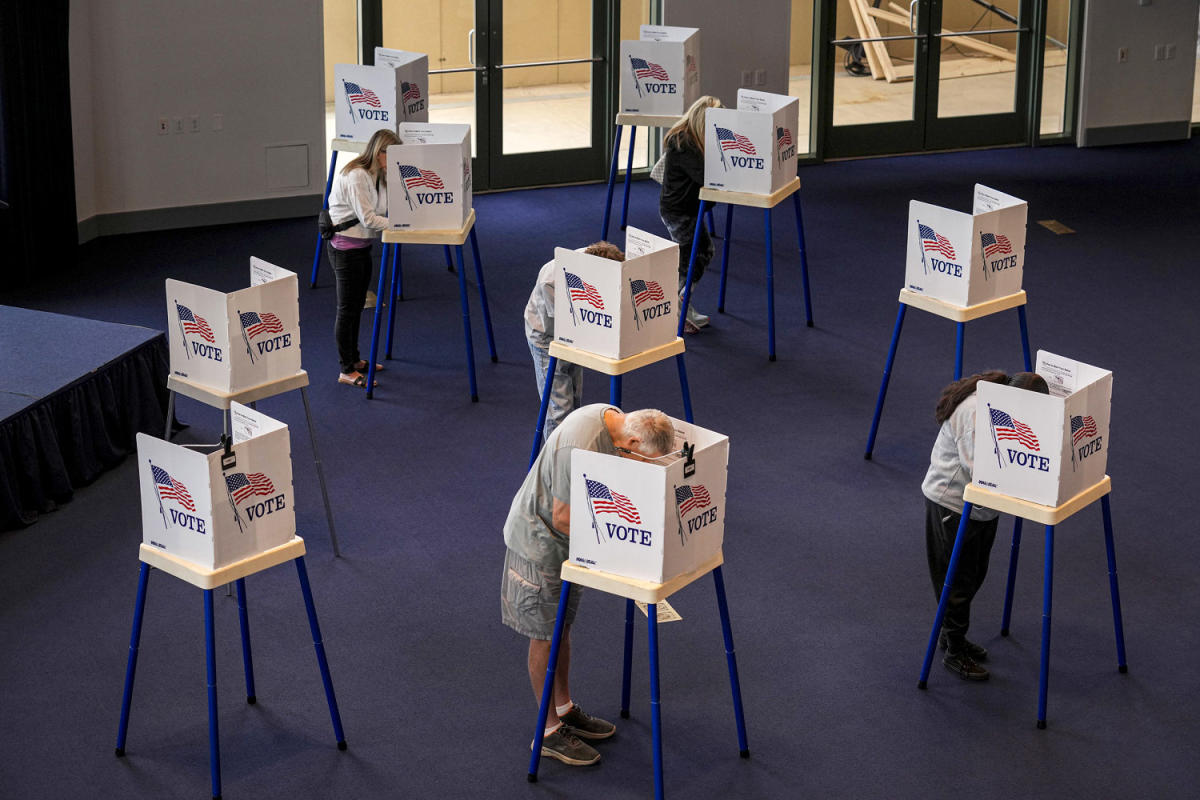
(562, 517)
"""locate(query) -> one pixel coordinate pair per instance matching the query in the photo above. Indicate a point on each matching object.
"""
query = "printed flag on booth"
(932, 240)
(194, 323)
(171, 489)
(256, 323)
(994, 243)
(1082, 427)
(648, 69)
(604, 499)
(581, 290)
(415, 176)
(734, 141)
(646, 291)
(358, 94)
(246, 484)
(689, 498)
(1006, 427)
(410, 91)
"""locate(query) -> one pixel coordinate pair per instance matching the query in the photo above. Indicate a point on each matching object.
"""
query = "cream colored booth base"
(205, 578)
(1044, 515)
(961, 313)
(445, 237)
(641, 591)
(615, 366)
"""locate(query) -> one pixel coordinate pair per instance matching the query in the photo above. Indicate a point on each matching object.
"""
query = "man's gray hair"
(653, 428)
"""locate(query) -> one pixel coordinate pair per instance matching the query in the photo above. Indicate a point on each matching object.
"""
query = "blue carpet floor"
(825, 569)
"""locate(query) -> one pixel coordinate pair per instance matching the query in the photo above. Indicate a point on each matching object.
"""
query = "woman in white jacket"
(359, 193)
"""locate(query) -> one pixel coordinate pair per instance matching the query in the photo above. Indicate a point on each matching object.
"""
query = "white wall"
(1142, 91)
(258, 64)
(734, 37)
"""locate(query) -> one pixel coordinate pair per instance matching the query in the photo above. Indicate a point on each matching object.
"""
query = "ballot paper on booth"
(618, 309)
(429, 177)
(212, 515)
(412, 82)
(364, 100)
(1044, 448)
(231, 342)
(650, 521)
(751, 148)
(966, 259)
(660, 71)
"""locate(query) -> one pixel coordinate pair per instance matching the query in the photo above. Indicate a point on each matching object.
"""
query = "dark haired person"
(950, 467)
(359, 192)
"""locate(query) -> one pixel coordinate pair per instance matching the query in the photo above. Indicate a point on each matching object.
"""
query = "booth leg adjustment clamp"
(342, 745)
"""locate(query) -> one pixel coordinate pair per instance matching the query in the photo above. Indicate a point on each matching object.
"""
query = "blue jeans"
(352, 273)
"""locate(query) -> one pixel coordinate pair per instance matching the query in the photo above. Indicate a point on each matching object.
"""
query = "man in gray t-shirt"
(536, 536)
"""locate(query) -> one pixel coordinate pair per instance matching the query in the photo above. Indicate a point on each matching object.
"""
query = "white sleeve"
(364, 200)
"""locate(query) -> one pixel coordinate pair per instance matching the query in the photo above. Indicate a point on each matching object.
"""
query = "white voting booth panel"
(650, 521)
(618, 309)
(194, 509)
(412, 82)
(966, 259)
(660, 71)
(365, 100)
(1044, 448)
(236, 341)
(429, 177)
(751, 148)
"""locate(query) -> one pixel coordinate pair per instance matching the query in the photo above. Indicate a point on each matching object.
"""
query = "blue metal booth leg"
(803, 260)
(627, 660)
(1024, 338)
(1047, 601)
(958, 350)
(628, 176)
(397, 275)
(612, 179)
(548, 687)
(655, 701)
(1114, 591)
(135, 638)
(214, 745)
(247, 659)
(541, 421)
(770, 286)
(487, 316)
(1012, 576)
(375, 328)
(466, 316)
(319, 646)
(883, 385)
(725, 255)
(395, 291)
(735, 685)
(316, 265)
(951, 571)
(614, 390)
(683, 386)
(687, 284)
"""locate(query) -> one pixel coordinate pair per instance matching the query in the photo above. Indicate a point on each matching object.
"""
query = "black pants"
(941, 527)
(683, 230)
(352, 272)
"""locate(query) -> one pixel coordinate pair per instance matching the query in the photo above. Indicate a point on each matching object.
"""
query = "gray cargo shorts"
(529, 598)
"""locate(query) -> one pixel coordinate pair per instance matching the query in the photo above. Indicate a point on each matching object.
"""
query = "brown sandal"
(354, 379)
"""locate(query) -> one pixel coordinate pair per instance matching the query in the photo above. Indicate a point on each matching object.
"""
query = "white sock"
(553, 728)
(565, 708)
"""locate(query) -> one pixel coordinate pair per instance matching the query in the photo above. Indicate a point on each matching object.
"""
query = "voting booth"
(411, 81)
(650, 521)
(1044, 448)
(212, 510)
(617, 309)
(751, 148)
(365, 99)
(429, 177)
(660, 71)
(240, 340)
(967, 259)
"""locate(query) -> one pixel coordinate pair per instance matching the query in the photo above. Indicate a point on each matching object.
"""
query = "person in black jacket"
(679, 203)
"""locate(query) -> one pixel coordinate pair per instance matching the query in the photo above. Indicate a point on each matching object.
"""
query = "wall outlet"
(1122, 55)
(746, 78)
(164, 126)
(1170, 52)
(760, 77)
(177, 126)
(218, 122)
(194, 123)
(1160, 52)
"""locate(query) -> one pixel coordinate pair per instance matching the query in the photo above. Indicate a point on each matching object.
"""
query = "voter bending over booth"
(679, 202)
(566, 393)
(950, 471)
(535, 533)
(359, 198)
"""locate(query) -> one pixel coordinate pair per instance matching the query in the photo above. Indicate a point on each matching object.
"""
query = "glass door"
(931, 75)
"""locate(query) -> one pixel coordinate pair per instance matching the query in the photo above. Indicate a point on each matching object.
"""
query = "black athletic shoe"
(585, 726)
(976, 651)
(564, 745)
(964, 666)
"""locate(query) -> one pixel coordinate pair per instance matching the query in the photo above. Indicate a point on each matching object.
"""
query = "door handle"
(912, 12)
(471, 46)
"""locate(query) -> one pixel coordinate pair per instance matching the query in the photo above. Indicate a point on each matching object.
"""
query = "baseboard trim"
(158, 219)
(1135, 134)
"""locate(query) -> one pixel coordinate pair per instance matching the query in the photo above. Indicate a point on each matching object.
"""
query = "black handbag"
(326, 226)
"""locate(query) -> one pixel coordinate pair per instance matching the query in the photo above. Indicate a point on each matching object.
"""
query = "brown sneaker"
(965, 666)
(586, 726)
(564, 745)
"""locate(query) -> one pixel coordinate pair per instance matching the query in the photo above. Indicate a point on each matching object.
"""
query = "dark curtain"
(37, 170)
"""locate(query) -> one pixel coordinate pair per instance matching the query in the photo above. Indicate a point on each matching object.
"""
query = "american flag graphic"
(244, 484)
(171, 489)
(734, 141)
(604, 499)
(691, 497)
(194, 323)
(1008, 428)
(784, 137)
(994, 243)
(357, 94)
(1081, 428)
(931, 240)
(580, 289)
(644, 291)
(256, 323)
(648, 69)
(415, 176)
(410, 91)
